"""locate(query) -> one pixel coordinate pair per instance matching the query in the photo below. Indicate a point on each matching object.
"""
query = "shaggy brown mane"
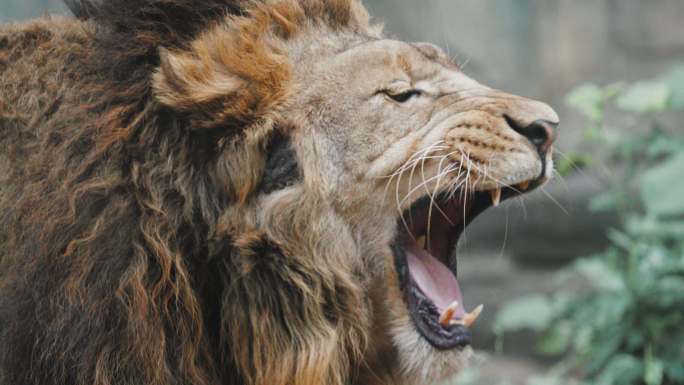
(134, 147)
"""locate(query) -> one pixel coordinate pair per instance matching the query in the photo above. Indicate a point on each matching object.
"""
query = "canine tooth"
(420, 242)
(496, 196)
(525, 185)
(469, 318)
(446, 315)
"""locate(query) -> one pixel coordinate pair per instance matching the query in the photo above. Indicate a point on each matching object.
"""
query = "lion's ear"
(227, 78)
(190, 85)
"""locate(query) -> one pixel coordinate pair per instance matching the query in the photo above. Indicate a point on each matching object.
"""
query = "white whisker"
(411, 163)
(591, 181)
(503, 247)
(555, 201)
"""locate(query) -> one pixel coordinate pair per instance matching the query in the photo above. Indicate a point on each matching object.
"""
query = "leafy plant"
(628, 327)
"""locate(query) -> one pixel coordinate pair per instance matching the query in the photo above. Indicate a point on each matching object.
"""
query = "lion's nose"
(541, 133)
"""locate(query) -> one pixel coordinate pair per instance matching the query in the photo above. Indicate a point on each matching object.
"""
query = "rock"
(545, 229)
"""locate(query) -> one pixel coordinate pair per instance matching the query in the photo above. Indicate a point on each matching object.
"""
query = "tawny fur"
(137, 243)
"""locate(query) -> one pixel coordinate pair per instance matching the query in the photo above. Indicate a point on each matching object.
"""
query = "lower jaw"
(423, 311)
(425, 316)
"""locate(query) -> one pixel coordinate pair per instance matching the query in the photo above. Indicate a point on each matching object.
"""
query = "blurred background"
(582, 282)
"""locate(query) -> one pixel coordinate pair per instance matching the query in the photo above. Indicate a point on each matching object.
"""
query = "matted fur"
(138, 242)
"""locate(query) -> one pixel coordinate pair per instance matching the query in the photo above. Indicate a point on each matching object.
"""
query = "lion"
(243, 192)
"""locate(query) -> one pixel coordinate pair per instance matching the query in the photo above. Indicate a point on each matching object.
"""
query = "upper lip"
(424, 311)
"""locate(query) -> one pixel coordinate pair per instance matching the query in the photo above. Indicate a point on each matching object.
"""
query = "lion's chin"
(418, 359)
(414, 360)
(401, 355)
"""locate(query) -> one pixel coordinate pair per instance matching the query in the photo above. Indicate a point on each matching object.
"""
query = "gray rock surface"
(550, 227)
(17, 10)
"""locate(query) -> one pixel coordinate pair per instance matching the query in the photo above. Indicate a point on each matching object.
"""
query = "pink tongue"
(435, 280)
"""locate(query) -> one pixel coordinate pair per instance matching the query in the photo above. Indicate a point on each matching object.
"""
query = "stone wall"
(16, 10)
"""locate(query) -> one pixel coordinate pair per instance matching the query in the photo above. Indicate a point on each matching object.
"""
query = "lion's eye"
(403, 97)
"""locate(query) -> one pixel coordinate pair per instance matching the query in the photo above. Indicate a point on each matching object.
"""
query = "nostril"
(541, 133)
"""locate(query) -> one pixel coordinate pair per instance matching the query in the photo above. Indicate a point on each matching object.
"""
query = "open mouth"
(425, 259)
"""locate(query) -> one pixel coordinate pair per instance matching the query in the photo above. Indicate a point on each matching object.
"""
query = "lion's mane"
(129, 254)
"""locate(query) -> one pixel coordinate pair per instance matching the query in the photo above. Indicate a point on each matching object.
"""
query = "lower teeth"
(446, 315)
(467, 320)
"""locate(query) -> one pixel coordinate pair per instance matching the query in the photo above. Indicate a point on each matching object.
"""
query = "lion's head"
(384, 151)
(335, 169)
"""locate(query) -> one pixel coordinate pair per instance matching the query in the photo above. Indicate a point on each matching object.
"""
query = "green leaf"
(675, 80)
(676, 371)
(533, 312)
(605, 348)
(669, 294)
(663, 145)
(622, 369)
(653, 368)
(600, 274)
(538, 379)
(602, 202)
(587, 99)
(645, 97)
(555, 340)
(615, 138)
(650, 226)
(635, 339)
(574, 160)
(613, 90)
(582, 340)
(662, 188)
(592, 134)
(619, 239)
